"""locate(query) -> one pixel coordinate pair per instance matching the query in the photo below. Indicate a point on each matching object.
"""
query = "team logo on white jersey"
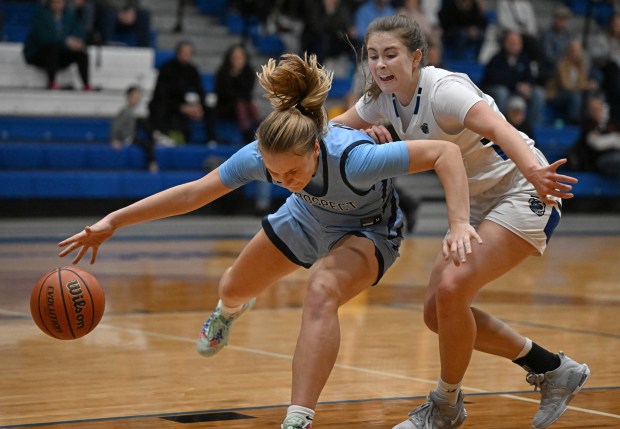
(537, 206)
(424, 128)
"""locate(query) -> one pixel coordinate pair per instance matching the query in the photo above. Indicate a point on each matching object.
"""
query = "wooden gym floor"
(139, 367)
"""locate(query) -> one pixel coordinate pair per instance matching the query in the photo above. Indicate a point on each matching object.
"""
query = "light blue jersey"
(352, 192)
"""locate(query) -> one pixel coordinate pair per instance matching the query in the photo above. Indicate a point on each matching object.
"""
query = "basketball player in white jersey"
(515, 206)
(342, 218)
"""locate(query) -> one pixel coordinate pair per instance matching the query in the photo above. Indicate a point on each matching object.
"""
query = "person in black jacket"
(464, 24)
(234, 86)
(178, 98)
(328, 27)
(55, 41)
(512, 72)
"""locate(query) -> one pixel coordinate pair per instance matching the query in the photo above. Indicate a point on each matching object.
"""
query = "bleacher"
(54, 145)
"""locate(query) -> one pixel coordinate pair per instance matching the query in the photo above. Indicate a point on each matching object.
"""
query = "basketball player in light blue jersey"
(342, 218)
(515, 206)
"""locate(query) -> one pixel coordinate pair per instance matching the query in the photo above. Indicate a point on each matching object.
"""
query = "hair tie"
(302, 109)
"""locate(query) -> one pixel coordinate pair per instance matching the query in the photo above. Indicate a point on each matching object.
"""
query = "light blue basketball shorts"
(303, 240)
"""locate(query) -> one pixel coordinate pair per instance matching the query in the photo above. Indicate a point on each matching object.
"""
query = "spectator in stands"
(366, 13)
(605, 52)
(413, 9)
(234, 86)
(128, 129)
(55, 41)
(434, 54)
(519, 16)
(86, 12)
(570, 80)
(598, 146)
(554, 41)
(464, 24)
(124, 18)
(179, 99)
(516, 115)
(512, 72)
(328, 26)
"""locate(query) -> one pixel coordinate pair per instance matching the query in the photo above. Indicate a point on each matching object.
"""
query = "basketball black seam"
(64, 303)
(41, 318)
(92, 301)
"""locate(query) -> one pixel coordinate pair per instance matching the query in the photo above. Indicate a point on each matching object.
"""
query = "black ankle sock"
(538, 360)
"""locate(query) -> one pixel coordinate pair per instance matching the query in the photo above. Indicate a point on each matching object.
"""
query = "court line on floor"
(356, 369)
(337, 365)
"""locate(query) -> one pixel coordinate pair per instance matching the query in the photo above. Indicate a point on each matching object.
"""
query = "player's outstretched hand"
(379, 134)
(457, 243)
(548, 182)
(90, 238)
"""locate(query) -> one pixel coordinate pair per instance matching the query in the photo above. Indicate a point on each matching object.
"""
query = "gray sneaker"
(216, 330)
(297, 421)
(557, 388)
(435, 414)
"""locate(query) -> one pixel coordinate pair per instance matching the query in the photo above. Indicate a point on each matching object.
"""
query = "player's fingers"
(445, 250)
(69, 249)
(467, 247)
(563, 178)
(81, 253)
(93, 257)
(462, 253)
(454, 251)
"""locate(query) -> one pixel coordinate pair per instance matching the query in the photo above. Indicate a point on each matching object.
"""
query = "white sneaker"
(435, 414)
(557, 388)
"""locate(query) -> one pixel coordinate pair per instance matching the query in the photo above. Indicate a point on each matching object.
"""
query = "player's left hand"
(548, 182)
(379, 134)
(457, 243)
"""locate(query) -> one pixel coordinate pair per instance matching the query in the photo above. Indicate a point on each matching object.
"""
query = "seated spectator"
(598, 145)
(570, 80)
(55, 41)
(519, 16)
(516, 115)
(128, 129)
(86, 12)
(512, 72)
(554, 41)
(122, 18)
(605, 52)
(368, 11)
(234, 85)
(179, 99)
(464, 23)
(413, 9)
(327, 29)
(434, 54)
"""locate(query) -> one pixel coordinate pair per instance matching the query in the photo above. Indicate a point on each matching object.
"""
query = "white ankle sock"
(228, 310)
(525, 350)
(447, 391)
(301, 410)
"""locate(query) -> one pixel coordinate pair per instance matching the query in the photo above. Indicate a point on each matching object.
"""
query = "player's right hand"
(379, 134)
(90, 238)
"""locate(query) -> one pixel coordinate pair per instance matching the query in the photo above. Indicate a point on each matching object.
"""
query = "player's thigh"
(349, 268)
(500, 251)
(259, 265)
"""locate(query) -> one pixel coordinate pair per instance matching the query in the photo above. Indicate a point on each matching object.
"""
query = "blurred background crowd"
(67, 77)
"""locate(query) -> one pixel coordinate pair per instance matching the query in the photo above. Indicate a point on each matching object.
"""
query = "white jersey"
(498, 190)
(437, 112)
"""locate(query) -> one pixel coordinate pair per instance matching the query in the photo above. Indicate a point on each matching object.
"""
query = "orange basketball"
(67, 303)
